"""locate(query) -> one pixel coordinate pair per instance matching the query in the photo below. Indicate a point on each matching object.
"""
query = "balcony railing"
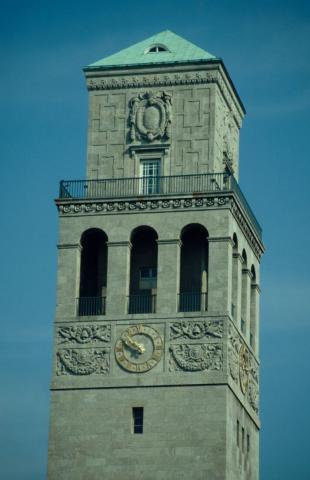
(143, 186)
(192, 302)
(155, 186)
(142, 303)
(91, 306)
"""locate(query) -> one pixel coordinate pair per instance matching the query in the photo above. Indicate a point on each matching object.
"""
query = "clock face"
(139, 348)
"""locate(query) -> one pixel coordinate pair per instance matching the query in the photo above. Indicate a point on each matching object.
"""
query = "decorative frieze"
(84, 334)
(82, 361)
(196, 357)
(167, 80)
(243, 368)
(195, 330)
(105, 207)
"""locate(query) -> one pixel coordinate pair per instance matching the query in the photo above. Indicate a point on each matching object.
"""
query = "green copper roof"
(177, 50)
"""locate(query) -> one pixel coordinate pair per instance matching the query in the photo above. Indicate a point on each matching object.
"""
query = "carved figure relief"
(196, 330)
(230, 140)
(84, 334)
(82, 361)
(150, 116)
(196, 357)
(243, 367)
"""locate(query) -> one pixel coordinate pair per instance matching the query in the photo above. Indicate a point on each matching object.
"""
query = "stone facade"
(198, 379)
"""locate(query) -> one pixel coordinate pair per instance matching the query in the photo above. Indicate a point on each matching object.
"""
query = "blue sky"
(44, 45)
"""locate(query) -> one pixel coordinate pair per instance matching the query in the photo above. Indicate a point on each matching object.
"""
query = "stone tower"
(155, 371)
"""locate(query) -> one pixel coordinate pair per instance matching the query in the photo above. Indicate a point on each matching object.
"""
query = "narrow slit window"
(137, 420)
(248, 443)
(242, 440)
(238, 432)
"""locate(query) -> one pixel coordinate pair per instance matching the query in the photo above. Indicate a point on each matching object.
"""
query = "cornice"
(168, 79)
(72, 207)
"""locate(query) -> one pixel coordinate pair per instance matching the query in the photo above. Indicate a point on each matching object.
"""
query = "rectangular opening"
(238, 432)
(248, 443)
(149, 174)
(242, 440)
(137, 420)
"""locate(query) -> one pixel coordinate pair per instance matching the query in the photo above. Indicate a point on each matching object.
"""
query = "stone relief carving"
(84, 334)
(243, 367)
(82, 361)
(230, 140)
(196, 357)
(164, 80)
(196, 330)
(150, 116)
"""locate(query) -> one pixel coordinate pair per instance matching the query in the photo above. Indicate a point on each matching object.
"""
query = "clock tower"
(156, 341)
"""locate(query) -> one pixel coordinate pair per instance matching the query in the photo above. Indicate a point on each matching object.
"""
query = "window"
(137, 420)
(242, 439)
(248, 443)
(238, 432)
(148, 278)
(157, 48)
(149, 173)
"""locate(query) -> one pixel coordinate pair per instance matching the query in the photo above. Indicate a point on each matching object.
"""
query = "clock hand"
(130, 342)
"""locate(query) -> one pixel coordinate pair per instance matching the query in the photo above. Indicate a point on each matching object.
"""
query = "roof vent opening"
(156, 48)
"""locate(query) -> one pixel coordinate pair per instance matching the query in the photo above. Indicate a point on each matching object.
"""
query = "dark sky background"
(44, 45)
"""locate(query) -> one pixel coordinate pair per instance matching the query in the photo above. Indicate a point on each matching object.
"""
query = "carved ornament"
(82, 361)
(84, 334)
(196, 357)
(150, 116)
(196, 330)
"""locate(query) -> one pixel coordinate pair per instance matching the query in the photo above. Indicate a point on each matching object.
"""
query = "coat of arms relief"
(150, 116)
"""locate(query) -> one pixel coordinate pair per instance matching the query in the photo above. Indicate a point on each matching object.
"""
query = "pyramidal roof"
(164, 47)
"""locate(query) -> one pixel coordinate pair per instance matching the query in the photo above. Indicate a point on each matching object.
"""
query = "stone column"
(168, 275)
(118, 277)
(69, 260)
(254, 327)
(220, 275)
(246, 302)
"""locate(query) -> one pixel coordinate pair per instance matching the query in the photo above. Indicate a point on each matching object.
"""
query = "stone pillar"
(254, 327)
(236, 287)
(69, 260)
(118, 277)
(246, 302)
(168, 275)
(220, 275)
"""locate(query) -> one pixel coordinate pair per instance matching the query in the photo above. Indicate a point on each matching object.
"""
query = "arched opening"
(143, 271)
(93, 277)
(194, 269)
(253, 308)
(244, 293)
(234, 278)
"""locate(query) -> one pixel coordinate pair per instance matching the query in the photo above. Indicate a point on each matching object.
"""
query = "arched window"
(234, 279)
(93, 277)
(194, 269)
(244, 294)
(253, 308)
(156, 48)
(143, 271)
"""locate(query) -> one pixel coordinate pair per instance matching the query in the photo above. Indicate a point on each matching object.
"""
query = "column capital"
(69, 246)
(248, 272)
(125, 243)
(169, 241)
(256, 287)
(221, 239)
(238, 256)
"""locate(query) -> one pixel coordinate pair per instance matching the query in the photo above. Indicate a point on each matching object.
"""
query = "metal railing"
(142, 186)
(141, 303)
(156, 186)
(192, 302)
(91, 306)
